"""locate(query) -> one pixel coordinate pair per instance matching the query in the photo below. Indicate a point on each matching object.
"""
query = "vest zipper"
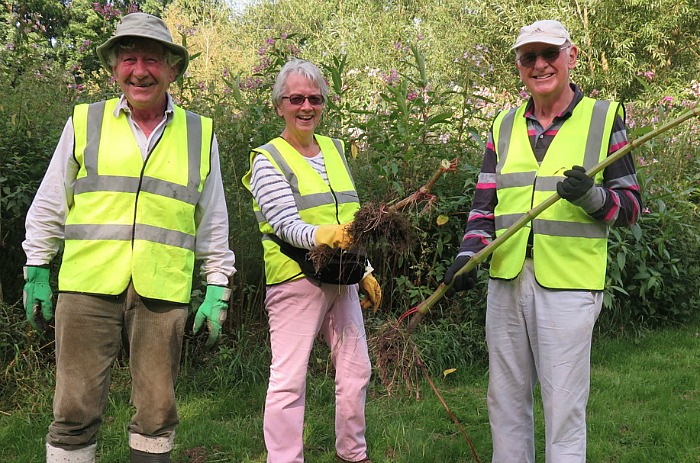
(335, 199)
(138, 190)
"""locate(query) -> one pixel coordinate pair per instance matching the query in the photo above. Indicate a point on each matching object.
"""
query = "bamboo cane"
(422, 308)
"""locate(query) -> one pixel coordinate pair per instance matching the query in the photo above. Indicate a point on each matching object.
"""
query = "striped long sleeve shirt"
(621, 198)
(276, 200)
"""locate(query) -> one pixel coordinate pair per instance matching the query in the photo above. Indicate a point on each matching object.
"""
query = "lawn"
(644, 407)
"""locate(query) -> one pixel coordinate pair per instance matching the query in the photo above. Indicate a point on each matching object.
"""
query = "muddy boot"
(137, 456)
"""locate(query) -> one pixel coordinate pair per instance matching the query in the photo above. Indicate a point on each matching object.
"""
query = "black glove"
(463, 281)
(575, 185)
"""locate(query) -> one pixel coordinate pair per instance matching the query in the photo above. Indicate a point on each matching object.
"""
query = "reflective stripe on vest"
(134, 220)
(318, 202)
(569, 247)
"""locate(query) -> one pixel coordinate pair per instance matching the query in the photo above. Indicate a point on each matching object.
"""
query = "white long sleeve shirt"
(46, 218)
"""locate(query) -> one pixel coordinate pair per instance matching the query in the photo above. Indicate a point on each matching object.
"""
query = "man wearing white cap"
(134, 193)
(546, 282)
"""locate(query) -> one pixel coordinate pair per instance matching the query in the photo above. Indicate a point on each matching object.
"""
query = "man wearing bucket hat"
(546, 281)
(134, 193)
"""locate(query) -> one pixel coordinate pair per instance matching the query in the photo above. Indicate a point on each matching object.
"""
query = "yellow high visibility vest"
(318, 202)
(569, 247)
(133, 219)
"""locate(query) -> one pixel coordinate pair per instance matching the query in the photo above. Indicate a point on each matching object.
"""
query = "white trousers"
(535, 334)
(298, 312)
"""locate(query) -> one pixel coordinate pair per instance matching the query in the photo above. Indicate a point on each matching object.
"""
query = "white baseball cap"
(545, 31)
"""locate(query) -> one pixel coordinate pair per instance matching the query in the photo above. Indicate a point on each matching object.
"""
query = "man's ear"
(573, 56)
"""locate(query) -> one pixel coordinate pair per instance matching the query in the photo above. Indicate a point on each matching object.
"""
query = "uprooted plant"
(375, 223)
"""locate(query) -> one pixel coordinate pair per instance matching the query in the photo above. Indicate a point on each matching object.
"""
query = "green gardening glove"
(213, 310)
(37, 294)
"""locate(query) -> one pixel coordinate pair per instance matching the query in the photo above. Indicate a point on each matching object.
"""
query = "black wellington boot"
(137, 456)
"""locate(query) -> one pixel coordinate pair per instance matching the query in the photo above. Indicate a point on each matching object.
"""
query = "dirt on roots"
(395, 356)
(393, 351)
(373, 225)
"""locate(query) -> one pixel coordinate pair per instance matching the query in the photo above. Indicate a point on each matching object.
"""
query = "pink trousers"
(298, 312)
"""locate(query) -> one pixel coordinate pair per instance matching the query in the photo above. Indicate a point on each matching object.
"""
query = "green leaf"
(438, 119)
(620, 289)
(477, 138)
(621, 259)
(637, 231)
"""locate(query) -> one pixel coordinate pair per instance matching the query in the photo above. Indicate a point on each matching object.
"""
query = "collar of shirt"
(123, 105)
(145, 144)
(578, 96)
(541, 137)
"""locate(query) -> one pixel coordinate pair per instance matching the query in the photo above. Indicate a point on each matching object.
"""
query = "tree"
(206, 29)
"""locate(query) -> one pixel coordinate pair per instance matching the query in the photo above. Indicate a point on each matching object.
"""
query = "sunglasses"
(298, 100)
(550, 55)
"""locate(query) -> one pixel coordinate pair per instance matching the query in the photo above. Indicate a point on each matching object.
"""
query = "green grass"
(644, 407)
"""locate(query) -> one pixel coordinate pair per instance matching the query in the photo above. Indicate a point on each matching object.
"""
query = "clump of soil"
(376, 223)
(320, 256)
(394, 356)
(373, 225)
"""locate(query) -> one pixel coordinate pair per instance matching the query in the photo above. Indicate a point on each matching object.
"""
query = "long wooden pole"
(423, 307)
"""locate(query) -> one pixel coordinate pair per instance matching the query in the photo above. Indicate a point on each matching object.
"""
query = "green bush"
(424, 102)
(653, 271)
(32, 115)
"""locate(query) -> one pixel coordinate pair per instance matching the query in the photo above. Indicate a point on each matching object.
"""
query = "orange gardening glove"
(335, 236)
(372, 293)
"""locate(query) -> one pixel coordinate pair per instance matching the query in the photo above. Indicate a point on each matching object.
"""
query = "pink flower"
(392, 77)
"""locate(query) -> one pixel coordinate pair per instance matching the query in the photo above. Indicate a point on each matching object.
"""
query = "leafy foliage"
(653, 268)
(412, 84)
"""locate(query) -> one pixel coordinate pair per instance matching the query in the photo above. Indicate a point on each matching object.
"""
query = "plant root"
(384, 224)
(320, 256)
(395, 359)
(377, 223)
(374, 224)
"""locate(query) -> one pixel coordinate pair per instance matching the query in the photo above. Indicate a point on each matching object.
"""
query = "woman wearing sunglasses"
(546, 282)
(304, 196)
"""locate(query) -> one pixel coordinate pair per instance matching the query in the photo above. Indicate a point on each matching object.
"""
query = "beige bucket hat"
(146, 26)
